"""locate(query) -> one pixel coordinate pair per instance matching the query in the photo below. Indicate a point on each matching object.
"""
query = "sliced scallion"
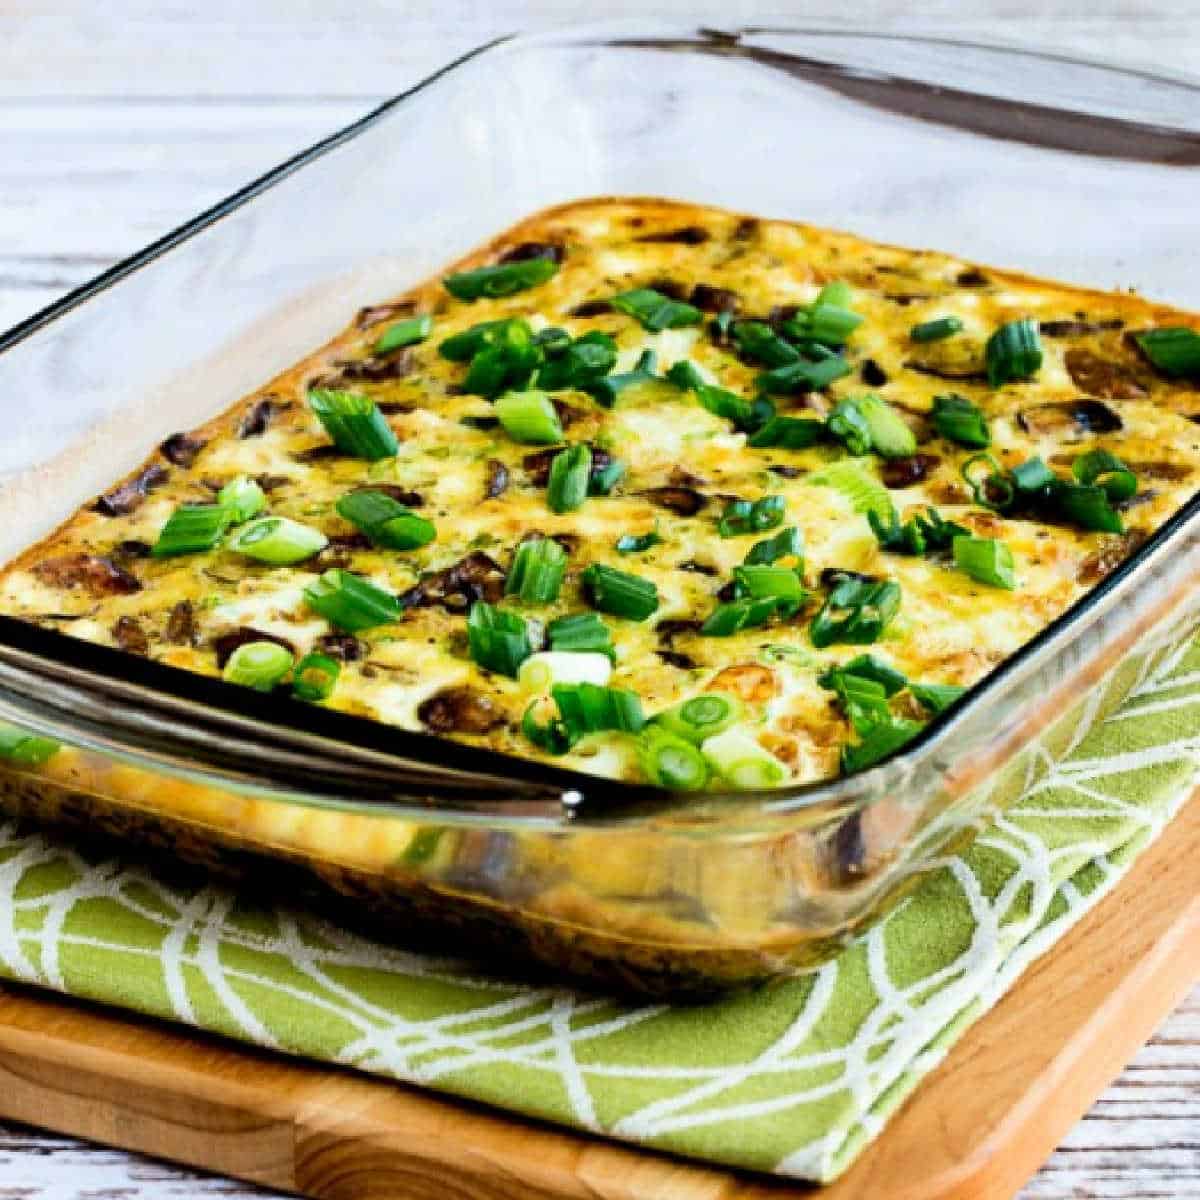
(1107, 471)
(702, 716)
(986, 559)
(745, 516)
(278, 541)
(354, 424)
(960, 421)
(880, 741)
(636, 543)
(803, 376)
(529, 418)
(385, 520)
(537, 571)
(654, 311)
(404, 333)
(191, 529)
(936, 697)
(315, 677)
(727, 619)
(993, 489)
(588, 708)
(670, 761)
(539, 671)
(579, 363)
(856, 612)
(788, 433)
(781, 584)
(498, 640)
(25, 749)
(257, 665)
(505, 279)
(936, 329)
(741, 761)
(619, 593)
(787, 543)
(243, 497)
(1013, 352)
(567, 486)
(350, 602)
(581, 633)
(1174, 350)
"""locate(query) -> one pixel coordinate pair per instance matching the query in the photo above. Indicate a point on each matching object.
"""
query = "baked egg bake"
(655, 491)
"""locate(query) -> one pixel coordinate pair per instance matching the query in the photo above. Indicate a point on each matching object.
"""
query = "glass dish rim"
(635, 800)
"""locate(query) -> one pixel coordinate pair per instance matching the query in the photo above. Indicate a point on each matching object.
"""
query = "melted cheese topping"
(951, 629)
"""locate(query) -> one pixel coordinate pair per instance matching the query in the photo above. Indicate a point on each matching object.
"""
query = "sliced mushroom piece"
(1078, 328)
(1101, 377)
(590, 308)
(182, 448)
(1069, 418)
(1115, 550)
(905, 472)
(686, 502)
(459, 710)
(688, 235)
(397, 365)
(832, 576)
(128, 496)
(712, 299)
(376, 314)
(342, 646)
(457, 587)
(258, 417)
(181, 625)
(673, 658)
(497, 479)
(873, 375)
(955, 358)
(551, 251)
(95, 574)
(130, 636)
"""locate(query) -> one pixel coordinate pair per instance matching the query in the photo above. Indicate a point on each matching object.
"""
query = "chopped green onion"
(757, 341)
(741, 762)
(960, 421)
(1032, 478)
(582, 362)
(547, 667)
(918, 535)
(1175, 350)
(782, 584)
(581, 633)
(587, 708)
(670, 761)
(350, 602)
(1013, 352)
(744, 415)
(995, 489)
(315, 677)
(554, 341)
(935, 330)
(788, 433)
(1087, 507)
(258, 665)
(837, 292)
(702, 716)
(863, 490)
(936, 697)
(404, 333)
(506, 361)
(1106, 471)
(192, 528)
(354, 424)
(686, 376)
(864, 700)
(243, 498)
(654, 311)
(385, 520)
(529, 418)
(498, 639)
(727, 619)
(787, 543)
(619, 593)
(881, 740)
(602, 481)
(567, 487)
(537, 571)
(869, 422)
(856, 612)
(744, 516)
(505, 279)
(551, 737)
(277, 541)
(987, 560)
(462, 347)
(635, 543)
(866, 666)
(803, 376)
(829, 324)
(640, 382)
(24, 748)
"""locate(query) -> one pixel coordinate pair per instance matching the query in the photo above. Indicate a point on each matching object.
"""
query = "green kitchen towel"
(794, 1078)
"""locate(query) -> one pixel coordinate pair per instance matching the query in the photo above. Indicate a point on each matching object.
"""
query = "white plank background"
(121, 119)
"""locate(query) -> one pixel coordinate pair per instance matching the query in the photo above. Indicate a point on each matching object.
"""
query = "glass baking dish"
(1070, 170)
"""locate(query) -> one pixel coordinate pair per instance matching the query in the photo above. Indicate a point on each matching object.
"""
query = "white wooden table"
(121, 119)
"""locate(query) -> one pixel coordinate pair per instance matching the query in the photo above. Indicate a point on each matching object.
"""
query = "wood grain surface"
(121, 120)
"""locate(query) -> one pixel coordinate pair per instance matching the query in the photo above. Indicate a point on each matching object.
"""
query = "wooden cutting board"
(978, 1127)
